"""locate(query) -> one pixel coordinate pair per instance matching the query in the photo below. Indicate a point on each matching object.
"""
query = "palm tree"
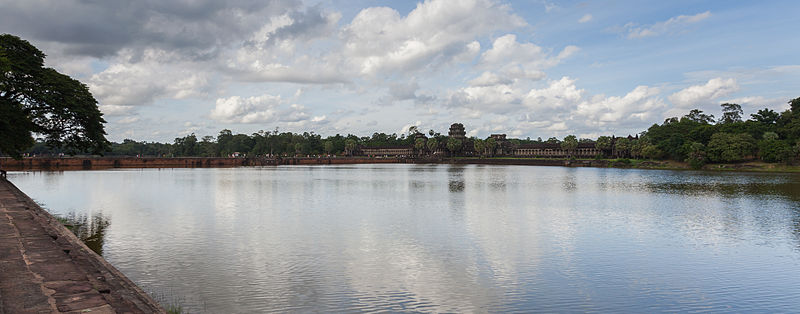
(433, 144)
(569, 144)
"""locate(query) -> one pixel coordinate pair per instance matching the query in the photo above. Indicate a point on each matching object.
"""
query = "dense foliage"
(38, 100)
(768, 135)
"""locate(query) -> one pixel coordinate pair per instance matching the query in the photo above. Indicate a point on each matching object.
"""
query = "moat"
(441, 238)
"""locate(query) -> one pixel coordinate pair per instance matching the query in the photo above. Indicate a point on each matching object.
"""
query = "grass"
(171, 301)
(173, 309)
(65, 221)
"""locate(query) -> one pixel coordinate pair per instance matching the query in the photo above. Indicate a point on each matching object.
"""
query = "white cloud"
(489, 79)
(640, 104)
(664, 27)
(125, 85)
(585, 18)
(561, 95)
(697, 95)
(559, 108)
(380, 40)
(115, 110)
(262, 109)
(254, 109)
(514, 60)
(128, 120)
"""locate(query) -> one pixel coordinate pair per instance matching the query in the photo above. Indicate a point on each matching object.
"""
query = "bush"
(697, 155)
(773, 150)
(726, 147)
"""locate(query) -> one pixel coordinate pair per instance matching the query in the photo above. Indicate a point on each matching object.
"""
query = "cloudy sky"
(163, 69)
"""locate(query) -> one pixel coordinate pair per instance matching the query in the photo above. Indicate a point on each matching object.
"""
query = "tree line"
(697, 138)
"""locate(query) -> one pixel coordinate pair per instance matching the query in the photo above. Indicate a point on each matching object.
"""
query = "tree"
(727, 147)
(419, 144)
(35, 99)
(349, 146)
(413, 130)
(765, 116)
(697, 155)
(298, 148)
(622, 146)
(480, 146)
(490, 145)
(569, 144)
(794, 104)
(769, 136)
(772, 150)
(651, 151)
(328, 146)
(603, 144)
(731, 113)
(697, 115)
(185, 146)
(433, 144)
(453, 145)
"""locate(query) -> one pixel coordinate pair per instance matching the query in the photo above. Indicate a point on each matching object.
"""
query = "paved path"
(44, 268)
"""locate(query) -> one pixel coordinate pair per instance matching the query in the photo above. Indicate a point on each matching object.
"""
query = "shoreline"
(100, 163)
(46, 268)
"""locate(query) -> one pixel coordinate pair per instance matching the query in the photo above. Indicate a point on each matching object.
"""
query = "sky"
(166, 69)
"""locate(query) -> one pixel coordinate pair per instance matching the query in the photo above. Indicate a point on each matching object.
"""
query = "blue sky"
(165, 69)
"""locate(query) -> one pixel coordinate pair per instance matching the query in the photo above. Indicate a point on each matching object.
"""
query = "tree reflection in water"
(89, 229)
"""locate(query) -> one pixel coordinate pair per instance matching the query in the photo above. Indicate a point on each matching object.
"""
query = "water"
(443, 238)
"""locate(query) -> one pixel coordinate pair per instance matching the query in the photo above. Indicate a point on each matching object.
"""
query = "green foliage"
(622, 146)
(651, 151)
(491, 145)
(697, 155)
(35, 99)
(419, 144)
(624, 161)
(480, 146)
(727, 147)
(433, 144)
(453, 145)
(603, 143)
(570, 143)
(327, 146)
(794, 106)
(769, 136)
(773, 150)
(765, 116)
(697, 116)
(731, 113)
(173, 309)
(350, 146)
(186, 146)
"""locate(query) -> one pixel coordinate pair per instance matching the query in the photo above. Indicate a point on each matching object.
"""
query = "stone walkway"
(44, 268)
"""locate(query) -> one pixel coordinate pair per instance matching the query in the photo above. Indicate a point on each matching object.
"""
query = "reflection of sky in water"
(444, 238)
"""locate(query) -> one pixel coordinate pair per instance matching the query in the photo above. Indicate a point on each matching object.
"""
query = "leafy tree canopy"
(731, 113)
(41, 101)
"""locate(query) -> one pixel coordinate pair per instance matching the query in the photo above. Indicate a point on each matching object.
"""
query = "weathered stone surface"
(44, 268)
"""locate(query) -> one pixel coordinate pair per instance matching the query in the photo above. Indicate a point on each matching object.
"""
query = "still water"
(443, 238)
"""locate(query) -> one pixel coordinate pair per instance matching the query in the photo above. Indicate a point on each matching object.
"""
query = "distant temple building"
(554, 150)
(504, 147)
(457, 131)
(388, 151)
(498, 137)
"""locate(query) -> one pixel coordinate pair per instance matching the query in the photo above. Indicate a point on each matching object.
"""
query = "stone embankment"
(87, 163)
(44, 268)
